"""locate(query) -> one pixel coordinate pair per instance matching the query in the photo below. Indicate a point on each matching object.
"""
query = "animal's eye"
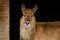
(24, 15)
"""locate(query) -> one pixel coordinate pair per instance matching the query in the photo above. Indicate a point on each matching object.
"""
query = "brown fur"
(47, 31)
(26, 33)
(38, 30)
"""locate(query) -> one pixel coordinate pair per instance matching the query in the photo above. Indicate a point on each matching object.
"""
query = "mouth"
(27, 24)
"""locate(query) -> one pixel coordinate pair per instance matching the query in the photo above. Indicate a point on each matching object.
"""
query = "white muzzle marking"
(27, 24)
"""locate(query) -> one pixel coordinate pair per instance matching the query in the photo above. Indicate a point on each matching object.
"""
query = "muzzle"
(27, 24)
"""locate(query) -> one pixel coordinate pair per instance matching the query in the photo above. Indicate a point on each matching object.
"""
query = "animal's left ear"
(35, 8)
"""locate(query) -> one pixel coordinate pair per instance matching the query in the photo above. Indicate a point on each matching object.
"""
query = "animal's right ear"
(22, 7)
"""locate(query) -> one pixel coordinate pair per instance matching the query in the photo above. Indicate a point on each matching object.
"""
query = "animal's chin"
(27, 26)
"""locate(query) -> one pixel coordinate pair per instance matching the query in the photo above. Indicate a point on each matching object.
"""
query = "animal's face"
(28, 14)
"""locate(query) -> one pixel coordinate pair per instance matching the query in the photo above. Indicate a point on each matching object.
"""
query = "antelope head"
(28, 14)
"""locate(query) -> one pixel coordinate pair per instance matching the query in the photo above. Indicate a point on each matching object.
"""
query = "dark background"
(48, 11)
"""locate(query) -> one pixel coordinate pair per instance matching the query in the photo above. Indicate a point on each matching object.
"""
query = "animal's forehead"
(28, 11)
(28, 14)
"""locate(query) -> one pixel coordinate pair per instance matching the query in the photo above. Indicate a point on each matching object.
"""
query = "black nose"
(27, 23)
